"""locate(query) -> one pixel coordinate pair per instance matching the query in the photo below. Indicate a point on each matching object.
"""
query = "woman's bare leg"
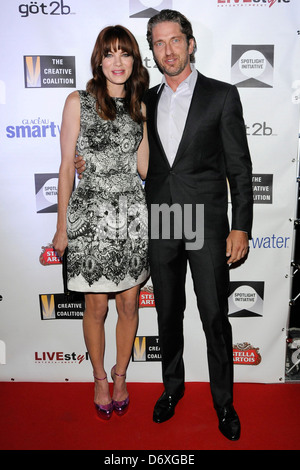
(94, 335)
(127, 307)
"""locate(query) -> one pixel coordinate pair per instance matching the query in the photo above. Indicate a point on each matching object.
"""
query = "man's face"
(170, 48)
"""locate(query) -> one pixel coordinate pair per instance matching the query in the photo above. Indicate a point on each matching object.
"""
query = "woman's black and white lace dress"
(107, 214)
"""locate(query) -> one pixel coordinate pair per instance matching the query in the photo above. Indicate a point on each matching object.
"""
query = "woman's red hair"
(118, 38)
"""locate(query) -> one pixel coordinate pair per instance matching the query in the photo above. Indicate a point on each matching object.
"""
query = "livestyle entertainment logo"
(250, 3)
(59, 357)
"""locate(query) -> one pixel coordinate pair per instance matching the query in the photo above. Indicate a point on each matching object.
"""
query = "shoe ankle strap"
(97, 378)
(118, 375)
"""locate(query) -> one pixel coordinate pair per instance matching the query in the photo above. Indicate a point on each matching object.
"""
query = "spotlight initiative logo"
(252, 66)
(46, 186)
(246, 299)
(148, 8)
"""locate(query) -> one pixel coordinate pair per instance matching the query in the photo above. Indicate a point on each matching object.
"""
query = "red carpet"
(61, 416)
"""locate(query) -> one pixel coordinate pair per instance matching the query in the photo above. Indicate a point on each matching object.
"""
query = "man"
(197, 139)
(197, 142)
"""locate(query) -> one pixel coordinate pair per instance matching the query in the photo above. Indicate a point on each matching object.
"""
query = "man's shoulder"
(212, 83)
(207, 83)
(151, 92)
(154, 89)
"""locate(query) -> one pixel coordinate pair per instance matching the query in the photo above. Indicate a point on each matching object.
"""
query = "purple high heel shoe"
(104, 411)
(120, 407)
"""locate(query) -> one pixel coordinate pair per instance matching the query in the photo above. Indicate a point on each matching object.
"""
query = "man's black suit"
(213, 153)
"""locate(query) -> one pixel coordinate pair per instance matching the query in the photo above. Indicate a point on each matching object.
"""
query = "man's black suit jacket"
(213, 153)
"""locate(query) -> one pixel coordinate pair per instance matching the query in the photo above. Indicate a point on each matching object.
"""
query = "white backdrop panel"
(36, 349)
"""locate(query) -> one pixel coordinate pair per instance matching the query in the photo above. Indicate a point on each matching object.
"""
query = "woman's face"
(117, 67)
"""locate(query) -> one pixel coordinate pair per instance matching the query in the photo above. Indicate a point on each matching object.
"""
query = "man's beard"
(172, 71)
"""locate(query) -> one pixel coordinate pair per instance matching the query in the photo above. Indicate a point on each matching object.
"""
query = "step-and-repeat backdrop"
(45, 55)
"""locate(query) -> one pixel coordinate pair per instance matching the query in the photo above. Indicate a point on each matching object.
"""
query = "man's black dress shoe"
(229, 423)
(165, 407)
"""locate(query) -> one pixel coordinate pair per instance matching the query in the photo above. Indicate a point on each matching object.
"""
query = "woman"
(104, 221)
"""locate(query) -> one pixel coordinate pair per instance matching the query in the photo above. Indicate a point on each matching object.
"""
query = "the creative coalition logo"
(148, 8)
(245, 354)
(250, 3)
(146, 349)
(46, 186)
(262, 186)
(62, 306)
(49, 71)
(246, 299)
(146, 298)
(252, 66)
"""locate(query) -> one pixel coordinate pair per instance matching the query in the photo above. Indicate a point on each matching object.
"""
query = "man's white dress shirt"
(173, 108)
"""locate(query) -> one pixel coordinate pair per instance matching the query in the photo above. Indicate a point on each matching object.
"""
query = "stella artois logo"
(146, 297)
(49, 256)
(245, 354)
